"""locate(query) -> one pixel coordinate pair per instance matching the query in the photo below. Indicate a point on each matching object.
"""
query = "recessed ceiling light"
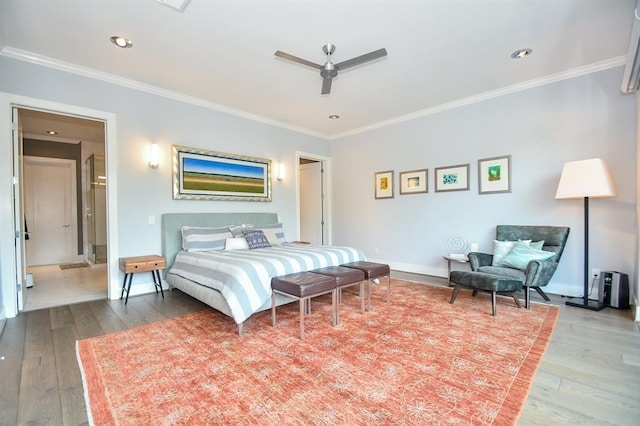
(334, 117)
(121, 41)
(521, 53)
(52, 132)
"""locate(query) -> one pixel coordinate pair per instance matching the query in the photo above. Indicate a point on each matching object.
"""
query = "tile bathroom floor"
(53, 286)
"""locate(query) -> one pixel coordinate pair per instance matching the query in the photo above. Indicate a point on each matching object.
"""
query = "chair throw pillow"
(501, 249)
(522, 253)
(256, 239)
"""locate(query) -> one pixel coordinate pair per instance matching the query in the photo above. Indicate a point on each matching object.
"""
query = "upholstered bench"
(344, 277)
(485, 282)
(371, 272)
(303, 286)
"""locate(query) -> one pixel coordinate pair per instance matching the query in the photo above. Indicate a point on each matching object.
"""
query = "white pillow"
(272, 238)
(239, 243)
(502, 248)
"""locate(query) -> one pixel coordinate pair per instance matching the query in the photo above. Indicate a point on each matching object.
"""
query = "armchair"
(538, 273)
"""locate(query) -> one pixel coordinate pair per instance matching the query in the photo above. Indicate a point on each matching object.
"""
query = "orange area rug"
(418, 360)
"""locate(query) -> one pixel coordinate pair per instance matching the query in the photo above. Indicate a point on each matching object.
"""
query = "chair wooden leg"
(455, 293)
(475, 291)
(515, 298)
(543, 294)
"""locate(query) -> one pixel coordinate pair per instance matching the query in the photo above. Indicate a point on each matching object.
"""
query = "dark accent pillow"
(256, 238)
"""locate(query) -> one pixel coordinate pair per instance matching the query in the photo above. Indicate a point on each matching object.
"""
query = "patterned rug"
(418, 360)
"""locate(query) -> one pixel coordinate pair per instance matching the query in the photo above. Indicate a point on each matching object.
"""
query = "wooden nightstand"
(131, 265)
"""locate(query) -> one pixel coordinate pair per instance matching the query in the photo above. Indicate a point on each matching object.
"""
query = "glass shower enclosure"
(96, 199)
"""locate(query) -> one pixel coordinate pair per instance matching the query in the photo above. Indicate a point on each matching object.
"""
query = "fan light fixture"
(122, 42)
(329, 70)
(521, 53)
(52, 132)
(334, 117)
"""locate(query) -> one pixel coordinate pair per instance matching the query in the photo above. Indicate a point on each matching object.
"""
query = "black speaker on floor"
(613, 289)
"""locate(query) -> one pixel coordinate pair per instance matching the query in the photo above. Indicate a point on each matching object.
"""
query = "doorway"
(61, 258)
(313, 206)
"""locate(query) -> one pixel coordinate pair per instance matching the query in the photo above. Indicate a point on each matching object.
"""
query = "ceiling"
(220, 54)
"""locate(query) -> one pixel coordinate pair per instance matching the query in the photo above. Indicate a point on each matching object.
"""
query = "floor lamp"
(585, 179)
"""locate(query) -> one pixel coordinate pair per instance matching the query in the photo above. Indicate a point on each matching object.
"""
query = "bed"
(238, 282)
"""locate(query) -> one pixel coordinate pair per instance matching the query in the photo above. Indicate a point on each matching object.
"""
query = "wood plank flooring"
(589, 375)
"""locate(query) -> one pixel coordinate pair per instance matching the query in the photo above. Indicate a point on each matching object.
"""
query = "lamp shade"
(586, 178)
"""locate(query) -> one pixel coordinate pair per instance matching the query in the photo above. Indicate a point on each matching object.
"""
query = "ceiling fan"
(329, 69)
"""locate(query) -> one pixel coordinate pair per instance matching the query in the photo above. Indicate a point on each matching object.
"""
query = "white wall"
(141, 119)
(540, 128)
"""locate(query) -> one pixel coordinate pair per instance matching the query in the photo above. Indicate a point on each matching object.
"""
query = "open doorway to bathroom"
(65, 209)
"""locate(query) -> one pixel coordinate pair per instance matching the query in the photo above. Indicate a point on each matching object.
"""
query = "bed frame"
(172, 244)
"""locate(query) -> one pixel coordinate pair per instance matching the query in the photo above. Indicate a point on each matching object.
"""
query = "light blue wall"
(541, 129)
(143, 118)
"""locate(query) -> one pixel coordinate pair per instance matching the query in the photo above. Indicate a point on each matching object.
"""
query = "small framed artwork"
(452, 178)
(384, 184)
(199, 174)
(414, 182)
(494, 175)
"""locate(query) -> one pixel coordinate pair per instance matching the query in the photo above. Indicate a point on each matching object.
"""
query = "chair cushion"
(516, 274)
(521, 254)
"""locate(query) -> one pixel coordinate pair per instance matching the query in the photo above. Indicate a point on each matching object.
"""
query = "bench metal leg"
(302, 309)
(273, 309)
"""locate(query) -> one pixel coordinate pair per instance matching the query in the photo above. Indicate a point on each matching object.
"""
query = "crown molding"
(132, 84)
(530, 84)
(37, 59)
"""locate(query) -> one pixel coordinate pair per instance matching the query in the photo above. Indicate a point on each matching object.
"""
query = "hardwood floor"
(590, 373)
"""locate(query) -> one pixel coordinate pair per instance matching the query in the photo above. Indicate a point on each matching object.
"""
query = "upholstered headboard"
(172, 224)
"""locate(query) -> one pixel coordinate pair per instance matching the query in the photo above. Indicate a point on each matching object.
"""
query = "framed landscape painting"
(208, 175)
(414, 182)
(452, 178)
(494, 175)
(384, 184)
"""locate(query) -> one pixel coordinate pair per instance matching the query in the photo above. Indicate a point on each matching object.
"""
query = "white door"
(18, 211)
(50, 208)
(311, 203)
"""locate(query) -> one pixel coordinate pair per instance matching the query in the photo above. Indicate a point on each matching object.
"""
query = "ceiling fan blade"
(362, 59)
(326, 86)
(296, 59)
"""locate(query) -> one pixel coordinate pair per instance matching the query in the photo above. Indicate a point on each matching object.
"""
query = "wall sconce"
(280, 171)
(154, 156)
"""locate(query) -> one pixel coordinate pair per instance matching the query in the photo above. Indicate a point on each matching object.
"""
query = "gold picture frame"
(199, 174)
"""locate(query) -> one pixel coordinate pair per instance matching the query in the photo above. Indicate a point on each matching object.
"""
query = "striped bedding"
(244, 276)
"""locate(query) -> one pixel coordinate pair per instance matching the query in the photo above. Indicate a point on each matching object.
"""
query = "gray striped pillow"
(196, 238)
